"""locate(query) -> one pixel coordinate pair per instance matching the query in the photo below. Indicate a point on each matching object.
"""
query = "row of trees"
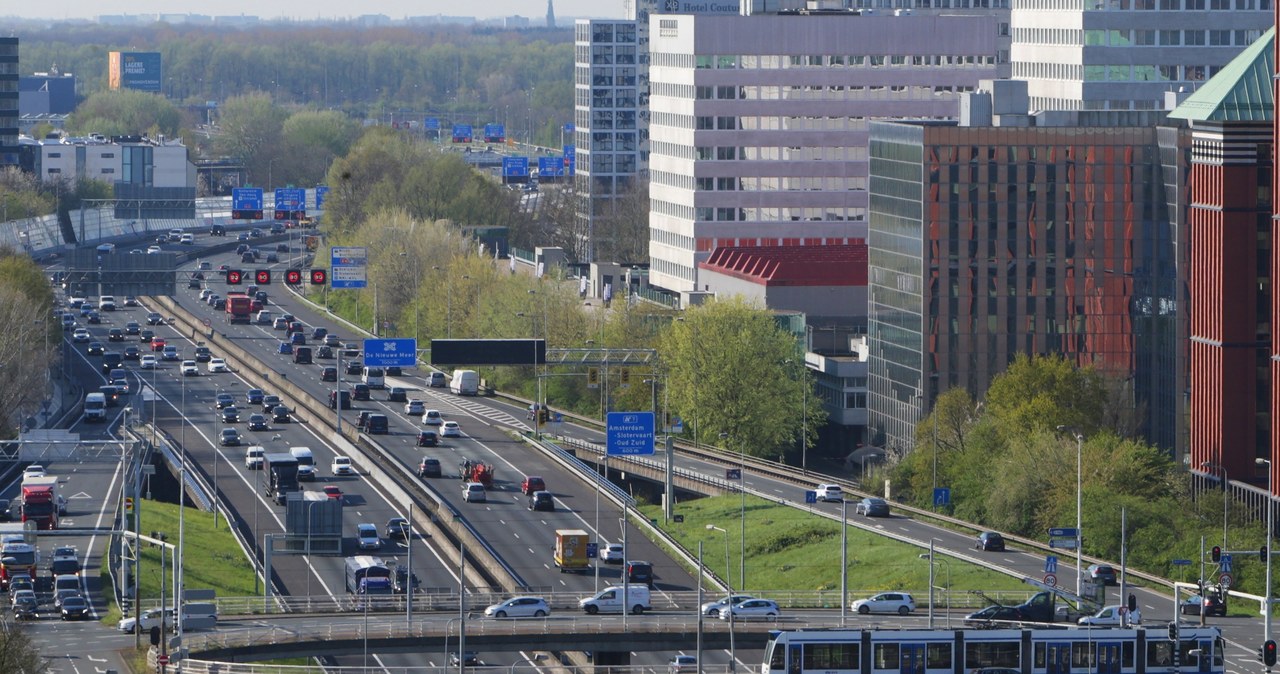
(26, 306)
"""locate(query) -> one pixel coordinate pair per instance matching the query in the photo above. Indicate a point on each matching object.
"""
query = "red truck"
(238, 308)
(40, 502)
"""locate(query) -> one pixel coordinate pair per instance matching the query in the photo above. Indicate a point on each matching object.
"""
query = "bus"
(1033, 650)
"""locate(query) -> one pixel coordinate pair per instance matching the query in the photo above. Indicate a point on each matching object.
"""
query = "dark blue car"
(285, 347)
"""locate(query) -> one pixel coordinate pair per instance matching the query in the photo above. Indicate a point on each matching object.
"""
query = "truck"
(280, 476)
(363, 567)
(238, 308)
(571, 551)
(17, 559)
(40, 502)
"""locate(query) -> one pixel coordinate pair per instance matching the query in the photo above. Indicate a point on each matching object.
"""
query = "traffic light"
(626, 377)
(593, 377)
(319, 277)
(544, 416)
(1216, 554)
(1133, 602)
(1173, 632)
(1269, 653)
(293, 277)
(234, 276)
(262, 277)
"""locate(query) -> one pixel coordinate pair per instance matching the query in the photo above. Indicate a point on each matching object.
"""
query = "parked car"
(990, 541)
(1102, 573)
(885, 602)
(872, 507)
(519, 607)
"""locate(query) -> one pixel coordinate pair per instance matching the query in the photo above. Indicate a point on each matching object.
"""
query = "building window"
(55, 155)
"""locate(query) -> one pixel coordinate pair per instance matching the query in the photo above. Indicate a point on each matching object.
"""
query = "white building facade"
(758, 124)
(133, 160)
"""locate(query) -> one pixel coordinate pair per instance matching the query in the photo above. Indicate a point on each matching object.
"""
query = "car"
(230, 438)
(94, 318)
(170, 352)
(272, 257)
(830, 493)
(414, 408)
(154, 318)
(990, 541)
(132, 328)
(254, 396)
(752, 609)
(342, 465)
(284, 348)
(213, 297)
(324, 352)
(257, 422)
(428, 439)
(519, 607)
(224, 400)
(331, 340)
(270, 402)
(75, 607)
(219, 303)
(542, 501)
(158, 344)
(450, 429)
(130, 301)
(244, 247)
(429, 467)
(146, 336)
(121, 384)
(282, 247)
(96, 349)
(153, 249)
(354, 367)
(611, 553)
(204, 295)
(367, 537)
(993, 615)
(682, 664)
(329, 374)
(81, 335)
(332, 491)
(25, 603)
(712, 609)
(190, 369)
(193, 283)
(319, 332)
(473, 492)
(279, 323)
(217, 365)
(531, 484)
(21, 582)
(398, 529)
(872, 507)
(280, 414)
(885, 602)
(437, 380)
(1102, 573)
(148, 362)
(60, 596)
(360, 392)
(203, 355)
(132, 353)
(466, 659)
(115, 335)
(1111, 616)
(295, 326)
(34, 470)
(432, 418)
(1214, 605)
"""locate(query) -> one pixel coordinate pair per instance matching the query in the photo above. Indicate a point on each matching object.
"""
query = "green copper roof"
(1241, 92)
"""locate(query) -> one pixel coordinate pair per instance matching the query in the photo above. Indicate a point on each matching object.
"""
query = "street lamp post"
(733, 651)
(1225, 503)
(1271, 509)
(1079, 480)
(217, 446)
(933, 558)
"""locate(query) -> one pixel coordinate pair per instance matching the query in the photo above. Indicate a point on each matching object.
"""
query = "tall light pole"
(1079, 481)
(933, 558)
(733, 651)
(1271, 510)
(742, 512)
(1225, 504)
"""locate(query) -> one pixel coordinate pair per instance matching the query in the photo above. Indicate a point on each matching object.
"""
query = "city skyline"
(303, 10)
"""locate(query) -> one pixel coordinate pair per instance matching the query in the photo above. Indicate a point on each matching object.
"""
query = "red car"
(332, 491)
(157, 344)
(531, 484)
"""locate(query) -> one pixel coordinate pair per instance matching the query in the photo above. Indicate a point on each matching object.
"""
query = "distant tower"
(551, 15)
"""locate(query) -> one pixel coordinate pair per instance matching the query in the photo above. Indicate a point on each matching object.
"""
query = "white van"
(95, 407)
(306, 462)
(187, 239)
(253, 457)
(374, 377)
(175, 234)
(609, 600)
(464, 383)
(107, 303)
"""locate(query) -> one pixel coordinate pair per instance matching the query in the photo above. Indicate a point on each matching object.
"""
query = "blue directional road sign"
(629, 433)
(349, 265)
(462, 133)
(942, 496)
(1051, 564)
(1062, 532)
(593, 549)
(246, 199)
(550, 167)
(1181, 562)
(291, 199)
(432, 124)
(494, 133)
(322, 193)
(810, 496)
(1224, 566)
(515, 167)
(391, 352)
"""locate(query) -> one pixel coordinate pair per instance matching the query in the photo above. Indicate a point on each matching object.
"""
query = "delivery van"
(95, 407)
(465, 383)
(610, 599)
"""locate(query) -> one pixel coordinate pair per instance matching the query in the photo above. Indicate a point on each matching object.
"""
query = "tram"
(1028, 650)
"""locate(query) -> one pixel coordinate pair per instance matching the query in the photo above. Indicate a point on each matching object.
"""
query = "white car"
(217, 365)
(342, 466)
(153, 249)
(187, 239)
(714, 608)
(1110, 616)
(414, 408)
(190, 369)
(80, 335)
(830, 492)
(367, 537)
(611, 553)
(432, 418)
(450, 429)
(753, 609)
(885, 602)
(147, 362)
(519, 607)
(150, 618)
(34, 470)
(473, 492)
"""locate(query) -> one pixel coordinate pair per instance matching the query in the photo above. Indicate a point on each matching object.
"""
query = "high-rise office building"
(8, 101)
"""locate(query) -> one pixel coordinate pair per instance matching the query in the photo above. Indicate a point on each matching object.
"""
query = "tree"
(312, 141)
(252, 127)
(1038, 393)
(727, 372)
(125, 112)
(18, 651)
(25, 309)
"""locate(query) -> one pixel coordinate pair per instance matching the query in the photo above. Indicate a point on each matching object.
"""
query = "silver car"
(519, 607)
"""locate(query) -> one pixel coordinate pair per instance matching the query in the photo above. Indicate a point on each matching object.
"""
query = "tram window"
(1037, 656)
(1159, 653)
(1126, 654)
(1218, 647)
(992, 654)
(831, 656)
(1082, 654)
(777, 655)
(938, 656)
(885, 656)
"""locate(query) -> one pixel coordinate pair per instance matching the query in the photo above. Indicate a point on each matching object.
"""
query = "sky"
(313, 9)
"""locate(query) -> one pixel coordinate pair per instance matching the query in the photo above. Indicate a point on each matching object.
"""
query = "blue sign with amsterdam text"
(391, 352)
(246, 199)
(629, 433)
